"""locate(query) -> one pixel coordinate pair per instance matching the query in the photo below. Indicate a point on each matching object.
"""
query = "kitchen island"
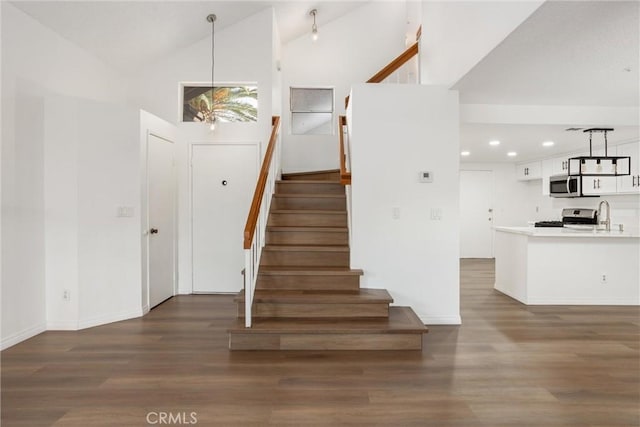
(562, 266)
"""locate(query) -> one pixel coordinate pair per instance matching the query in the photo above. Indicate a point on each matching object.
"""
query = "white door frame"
(146, 225)
(256, 144)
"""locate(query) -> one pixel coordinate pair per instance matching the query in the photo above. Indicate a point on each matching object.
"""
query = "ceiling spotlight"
(494, 142)
(314, 27)
(512, 154)
(465, 153)
(548, 144)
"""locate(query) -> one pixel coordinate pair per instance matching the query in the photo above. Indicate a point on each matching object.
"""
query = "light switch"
(124, 212)
(436, 214)
(395, 213)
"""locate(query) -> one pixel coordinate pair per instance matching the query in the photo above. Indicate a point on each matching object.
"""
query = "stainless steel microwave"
(565, 186)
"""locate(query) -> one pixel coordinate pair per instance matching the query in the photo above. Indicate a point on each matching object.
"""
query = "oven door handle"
(568, 188)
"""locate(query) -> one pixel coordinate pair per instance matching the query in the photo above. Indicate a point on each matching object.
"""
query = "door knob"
(153, 231)
(224, 182)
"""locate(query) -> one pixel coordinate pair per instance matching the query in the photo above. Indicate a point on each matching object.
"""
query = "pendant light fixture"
(212, 114)
(599, 165)
(314, 27)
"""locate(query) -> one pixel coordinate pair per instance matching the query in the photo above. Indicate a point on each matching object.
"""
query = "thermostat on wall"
(426, 176)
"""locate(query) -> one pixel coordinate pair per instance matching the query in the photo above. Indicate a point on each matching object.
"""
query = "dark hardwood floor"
(507, 365)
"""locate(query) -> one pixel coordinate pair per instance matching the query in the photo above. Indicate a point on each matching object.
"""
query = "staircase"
(307, 297)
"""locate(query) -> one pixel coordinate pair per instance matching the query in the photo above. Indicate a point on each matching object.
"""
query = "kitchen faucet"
(606, 222)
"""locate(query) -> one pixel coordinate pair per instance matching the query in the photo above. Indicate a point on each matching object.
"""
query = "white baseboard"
(510, 295)
(22, 336)
(582, 301)
(440, 320)
(62, 325)
(145, 309)
(108, 318)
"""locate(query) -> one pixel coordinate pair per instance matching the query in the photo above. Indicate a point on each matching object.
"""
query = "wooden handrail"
(395, 64)
(392, 66)
(252, 219)
(345, 176)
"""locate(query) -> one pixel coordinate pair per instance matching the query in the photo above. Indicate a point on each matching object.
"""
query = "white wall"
(41, 62)
(349, 50)
(456, 35)
(91, 169)
(61, 153)
(244, 53)
(109, 253)
(398, 131)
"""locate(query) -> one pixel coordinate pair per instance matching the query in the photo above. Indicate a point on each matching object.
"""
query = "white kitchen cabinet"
(529, 171)
(630, 184)
(597, 185)
(560, 165)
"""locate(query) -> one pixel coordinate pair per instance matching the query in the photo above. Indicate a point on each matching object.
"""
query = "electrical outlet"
(66, 295)
(603, 278)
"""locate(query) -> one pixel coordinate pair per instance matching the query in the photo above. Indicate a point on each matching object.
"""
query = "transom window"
(232, 103)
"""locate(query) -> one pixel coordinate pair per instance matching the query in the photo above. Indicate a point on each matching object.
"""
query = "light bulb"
(314, 33)
(213, 126)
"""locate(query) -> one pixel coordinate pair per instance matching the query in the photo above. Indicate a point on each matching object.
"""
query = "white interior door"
(476, 214)
(161, 205)
(223, 181)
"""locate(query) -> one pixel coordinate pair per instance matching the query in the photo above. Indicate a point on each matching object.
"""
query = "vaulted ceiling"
(128, 35)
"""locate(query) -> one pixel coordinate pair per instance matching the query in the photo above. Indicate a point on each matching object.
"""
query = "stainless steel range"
(573, 216)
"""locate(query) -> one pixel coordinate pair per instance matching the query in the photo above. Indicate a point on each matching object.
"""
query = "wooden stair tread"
(308, 271)
(401, 320)
(307, 248)
(313, 228)
(310, 182)
(319, 172)
(308, 195)
(309, 211)
(362, 296)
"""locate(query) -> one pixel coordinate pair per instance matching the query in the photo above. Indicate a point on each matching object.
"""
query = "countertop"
(568, 232)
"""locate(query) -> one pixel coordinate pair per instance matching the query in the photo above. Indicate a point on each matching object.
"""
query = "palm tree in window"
(232, 104)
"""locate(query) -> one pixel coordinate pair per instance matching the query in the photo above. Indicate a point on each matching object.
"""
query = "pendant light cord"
(213, 23)
(212, 18)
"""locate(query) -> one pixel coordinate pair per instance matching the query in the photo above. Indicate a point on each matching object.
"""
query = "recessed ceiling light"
(494, 142)
(512, 154)
(465, 153)
(548, 144)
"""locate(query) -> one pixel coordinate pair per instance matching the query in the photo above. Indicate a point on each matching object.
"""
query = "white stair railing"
(255, 228)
